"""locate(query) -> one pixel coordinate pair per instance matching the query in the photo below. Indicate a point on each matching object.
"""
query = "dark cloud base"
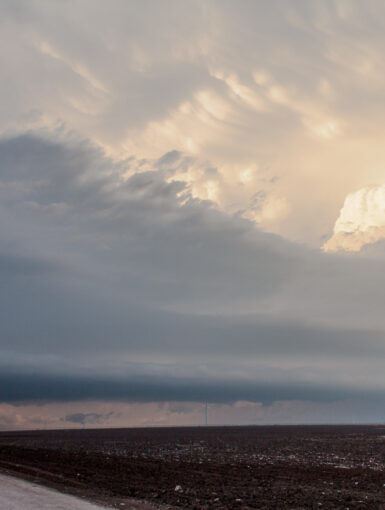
(95, 267)
(47, 388)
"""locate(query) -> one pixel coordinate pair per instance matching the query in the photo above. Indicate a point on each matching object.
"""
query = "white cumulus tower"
(361, 220)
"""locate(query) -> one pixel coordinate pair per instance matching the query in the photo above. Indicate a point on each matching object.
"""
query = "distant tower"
(206, 414)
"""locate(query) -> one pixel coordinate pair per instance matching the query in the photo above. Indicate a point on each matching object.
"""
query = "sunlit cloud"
(192, 204)
(361, 220)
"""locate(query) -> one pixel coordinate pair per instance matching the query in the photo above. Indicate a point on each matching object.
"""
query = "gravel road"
(16, 494)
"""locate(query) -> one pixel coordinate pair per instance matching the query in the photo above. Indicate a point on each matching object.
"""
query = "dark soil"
(323, 467)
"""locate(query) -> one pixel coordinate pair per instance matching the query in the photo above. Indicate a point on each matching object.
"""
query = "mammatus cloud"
(167, 177)
(225, 84)
(361, 220)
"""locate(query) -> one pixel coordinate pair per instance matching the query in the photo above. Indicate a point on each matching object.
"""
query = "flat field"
(277, 467)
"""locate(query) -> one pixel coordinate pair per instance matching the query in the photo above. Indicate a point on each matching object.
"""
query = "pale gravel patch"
(17, 494)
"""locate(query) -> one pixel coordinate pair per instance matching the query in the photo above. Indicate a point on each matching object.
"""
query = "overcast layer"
(191, 209)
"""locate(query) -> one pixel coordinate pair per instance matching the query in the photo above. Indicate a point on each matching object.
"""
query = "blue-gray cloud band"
(22, 388)
(100, 274)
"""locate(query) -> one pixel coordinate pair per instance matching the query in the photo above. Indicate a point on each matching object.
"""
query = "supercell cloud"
(119, 287)
(185, 190)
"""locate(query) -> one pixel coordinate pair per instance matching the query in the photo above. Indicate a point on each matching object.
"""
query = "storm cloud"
(118, 287)
(169, 173)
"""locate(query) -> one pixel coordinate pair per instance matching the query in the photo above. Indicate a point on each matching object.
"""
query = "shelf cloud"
(191, 208)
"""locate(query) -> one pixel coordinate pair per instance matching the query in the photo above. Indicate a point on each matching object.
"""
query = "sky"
(192, 209)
